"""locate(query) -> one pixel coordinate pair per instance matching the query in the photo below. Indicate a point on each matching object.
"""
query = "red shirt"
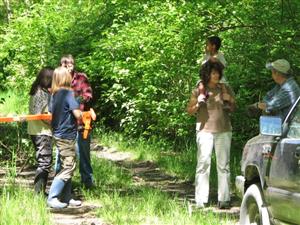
(82, 89)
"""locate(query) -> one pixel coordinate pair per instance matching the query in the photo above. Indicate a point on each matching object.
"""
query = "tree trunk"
(27, 3)
(8, 9)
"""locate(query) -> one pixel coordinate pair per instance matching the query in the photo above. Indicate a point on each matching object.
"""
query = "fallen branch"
(7, 148)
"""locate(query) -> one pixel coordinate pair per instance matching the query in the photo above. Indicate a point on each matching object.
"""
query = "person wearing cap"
(278, 100)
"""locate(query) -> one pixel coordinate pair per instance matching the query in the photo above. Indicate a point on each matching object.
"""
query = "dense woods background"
(142, 57)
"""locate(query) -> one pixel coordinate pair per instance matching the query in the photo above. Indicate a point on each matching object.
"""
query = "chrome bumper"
(240, 185)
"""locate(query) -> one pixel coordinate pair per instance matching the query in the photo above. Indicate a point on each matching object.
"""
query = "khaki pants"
(66, 149)
(206, 142)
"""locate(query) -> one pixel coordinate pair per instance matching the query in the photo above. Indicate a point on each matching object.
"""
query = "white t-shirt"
(219, 56)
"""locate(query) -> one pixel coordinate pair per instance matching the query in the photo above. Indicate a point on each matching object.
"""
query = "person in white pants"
(213, 131)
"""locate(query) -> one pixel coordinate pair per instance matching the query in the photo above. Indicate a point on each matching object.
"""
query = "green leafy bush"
(141, 56)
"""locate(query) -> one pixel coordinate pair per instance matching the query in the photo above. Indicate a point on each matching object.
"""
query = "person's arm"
(228, 96)
(220, 57)
(193, 104)
(46, 111)
(279, 101)
(74, 105)
(77, 113)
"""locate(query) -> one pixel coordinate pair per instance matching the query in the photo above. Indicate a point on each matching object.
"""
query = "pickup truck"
(270, 168)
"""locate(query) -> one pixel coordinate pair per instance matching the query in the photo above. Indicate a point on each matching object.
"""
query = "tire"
(252, 209)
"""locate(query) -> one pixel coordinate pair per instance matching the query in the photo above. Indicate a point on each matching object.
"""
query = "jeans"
(83, 154)
(206, 142)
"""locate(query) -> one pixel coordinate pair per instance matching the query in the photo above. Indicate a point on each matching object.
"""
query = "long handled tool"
(87, 117)
(25, 118)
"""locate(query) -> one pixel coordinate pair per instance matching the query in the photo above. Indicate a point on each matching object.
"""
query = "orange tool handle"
(25, 118)
(87, 117)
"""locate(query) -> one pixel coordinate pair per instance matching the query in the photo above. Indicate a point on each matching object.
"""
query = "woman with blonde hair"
(65, 111)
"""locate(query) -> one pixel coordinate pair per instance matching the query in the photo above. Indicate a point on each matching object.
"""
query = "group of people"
(212, 101)
(65, 93)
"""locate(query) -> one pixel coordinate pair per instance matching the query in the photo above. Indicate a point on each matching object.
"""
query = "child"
(65, 111)
(39, 130)
(213, 44)
(212, 54)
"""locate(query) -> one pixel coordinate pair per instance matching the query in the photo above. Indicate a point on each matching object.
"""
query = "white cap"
(280, 65)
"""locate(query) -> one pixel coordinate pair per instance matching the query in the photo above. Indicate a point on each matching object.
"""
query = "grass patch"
(149, 206)
(20, 206)
(125, 202)
(13, 103)
(177, 163)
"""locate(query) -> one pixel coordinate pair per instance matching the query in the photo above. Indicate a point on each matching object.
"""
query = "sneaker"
(74, 202)
(56, 204)
(200, 205)
(224, 205)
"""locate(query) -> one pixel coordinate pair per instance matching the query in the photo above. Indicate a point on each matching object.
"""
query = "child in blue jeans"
(65, 112)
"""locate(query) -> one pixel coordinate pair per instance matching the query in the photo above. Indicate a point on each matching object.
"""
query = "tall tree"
(8, 9)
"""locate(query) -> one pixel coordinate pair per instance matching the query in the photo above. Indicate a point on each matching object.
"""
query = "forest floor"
(143, 172)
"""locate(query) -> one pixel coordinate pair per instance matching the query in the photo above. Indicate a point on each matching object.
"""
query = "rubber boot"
(55, 190)
(40, 181)
(66, 195)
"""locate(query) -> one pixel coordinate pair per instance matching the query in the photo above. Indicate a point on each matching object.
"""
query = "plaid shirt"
(282, 97)
(82, 89)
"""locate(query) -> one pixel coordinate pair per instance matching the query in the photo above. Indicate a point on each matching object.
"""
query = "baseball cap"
(280, 65)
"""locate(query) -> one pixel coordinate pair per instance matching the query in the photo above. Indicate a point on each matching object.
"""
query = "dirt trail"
(143, 173)
(149, 174)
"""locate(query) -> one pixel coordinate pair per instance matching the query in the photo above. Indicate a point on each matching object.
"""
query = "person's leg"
(85, 167)
(55, 191)
(43, 146)
(204, 145)
(222, 148)
(68, 164)
(67, 157)
(57, 164)
(66, 195)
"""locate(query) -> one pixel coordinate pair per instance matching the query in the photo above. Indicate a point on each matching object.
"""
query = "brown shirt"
(211, 116)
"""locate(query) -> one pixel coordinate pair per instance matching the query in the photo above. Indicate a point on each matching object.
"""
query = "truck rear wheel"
(252, 209)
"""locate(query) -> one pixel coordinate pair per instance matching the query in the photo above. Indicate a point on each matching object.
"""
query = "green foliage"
(13, 103)
(20, 206)
(126, 201)
(142, 56)
(15, 145)
(150, 206)
(180, 164)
